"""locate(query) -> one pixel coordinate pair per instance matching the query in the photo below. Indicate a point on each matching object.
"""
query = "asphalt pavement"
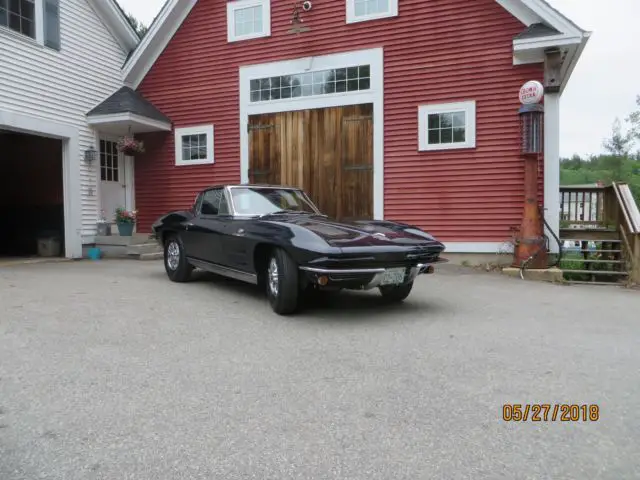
(110, 371)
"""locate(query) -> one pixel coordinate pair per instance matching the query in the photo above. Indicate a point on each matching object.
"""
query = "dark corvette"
(275, 236)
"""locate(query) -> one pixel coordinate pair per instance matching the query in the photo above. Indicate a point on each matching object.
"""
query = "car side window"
(211, 202)
(224, 205)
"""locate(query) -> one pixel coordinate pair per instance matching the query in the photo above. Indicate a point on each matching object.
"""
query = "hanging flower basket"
(130, 146)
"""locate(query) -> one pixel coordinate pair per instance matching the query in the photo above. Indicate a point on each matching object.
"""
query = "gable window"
(248, 19)
(19, 16)
(194, 145)
(321, 82)
(447, 126)
(22, 16)
(363, 10)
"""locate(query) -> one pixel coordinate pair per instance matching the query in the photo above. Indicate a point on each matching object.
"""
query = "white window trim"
(469, 107)
(353, 18)
(39, 25)
(372, 57)
(240, 4)
(197, 130)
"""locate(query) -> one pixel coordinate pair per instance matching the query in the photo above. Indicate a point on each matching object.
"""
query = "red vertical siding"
(434, 52)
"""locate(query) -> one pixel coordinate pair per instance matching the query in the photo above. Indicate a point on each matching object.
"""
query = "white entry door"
(113, 192)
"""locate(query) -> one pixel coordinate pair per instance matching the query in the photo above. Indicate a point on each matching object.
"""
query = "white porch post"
(552, 166)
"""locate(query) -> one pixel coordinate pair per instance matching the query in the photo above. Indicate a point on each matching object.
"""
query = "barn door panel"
(323, 156)
(356, 168)
(264, 149)
(292, 147)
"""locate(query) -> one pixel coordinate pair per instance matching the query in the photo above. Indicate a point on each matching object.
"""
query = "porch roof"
(127, 110)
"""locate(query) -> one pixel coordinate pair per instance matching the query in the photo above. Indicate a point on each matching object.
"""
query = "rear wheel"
(175, 260)
(282, 282)
(396, 293)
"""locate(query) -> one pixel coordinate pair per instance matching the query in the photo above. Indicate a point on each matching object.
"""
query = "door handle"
(240, 231)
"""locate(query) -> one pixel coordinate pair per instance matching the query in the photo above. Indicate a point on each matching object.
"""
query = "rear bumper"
(363, 278)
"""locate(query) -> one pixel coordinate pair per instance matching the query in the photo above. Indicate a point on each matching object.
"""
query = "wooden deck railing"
(582, 206)
(602, 212)
(622, 211)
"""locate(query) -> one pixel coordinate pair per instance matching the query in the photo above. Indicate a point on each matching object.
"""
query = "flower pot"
(125, 229)
(128, 153)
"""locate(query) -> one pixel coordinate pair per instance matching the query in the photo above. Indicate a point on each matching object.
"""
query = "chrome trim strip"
(224, 271)
(329, 271)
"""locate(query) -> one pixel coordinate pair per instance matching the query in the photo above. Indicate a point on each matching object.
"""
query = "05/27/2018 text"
(546, 412)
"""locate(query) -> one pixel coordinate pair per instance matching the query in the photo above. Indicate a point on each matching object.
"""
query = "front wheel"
(396, 293)
(175, 260)
(282, 282)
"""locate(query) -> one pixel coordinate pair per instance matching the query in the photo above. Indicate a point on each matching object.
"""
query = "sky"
(604, 84)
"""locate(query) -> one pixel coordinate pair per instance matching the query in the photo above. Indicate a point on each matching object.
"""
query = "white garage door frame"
(70, 170)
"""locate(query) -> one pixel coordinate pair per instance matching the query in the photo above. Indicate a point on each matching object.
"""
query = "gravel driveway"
(110, 371)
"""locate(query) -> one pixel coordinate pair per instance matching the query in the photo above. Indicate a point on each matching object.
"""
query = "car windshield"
(265, 201)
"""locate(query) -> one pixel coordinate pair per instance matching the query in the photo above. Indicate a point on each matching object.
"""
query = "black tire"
(396, 293)
(182, 271)
(282, 283)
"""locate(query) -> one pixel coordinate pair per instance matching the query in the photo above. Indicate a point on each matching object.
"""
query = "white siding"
(63, 86)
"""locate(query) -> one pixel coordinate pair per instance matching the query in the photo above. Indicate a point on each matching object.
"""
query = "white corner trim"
(552, 166)
(375, 95)
(234, 6)
(468, 107)
(128, 117)
(160, 33)
(70, 170)
(352, 17)
(196, 130)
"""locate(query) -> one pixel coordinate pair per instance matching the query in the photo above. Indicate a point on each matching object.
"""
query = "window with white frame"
(248, 19)
(21, 16)
(363, 10)
(447, 126)
(194, 145)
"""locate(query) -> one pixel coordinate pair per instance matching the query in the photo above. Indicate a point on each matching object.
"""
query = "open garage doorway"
(31, 196)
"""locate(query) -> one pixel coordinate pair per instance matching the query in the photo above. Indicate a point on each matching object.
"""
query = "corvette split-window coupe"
(275, 237)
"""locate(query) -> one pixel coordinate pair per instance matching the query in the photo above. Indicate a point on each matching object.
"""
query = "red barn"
(398, 109)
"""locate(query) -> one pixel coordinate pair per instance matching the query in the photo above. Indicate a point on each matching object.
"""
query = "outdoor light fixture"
(90, 155)
(297, 22)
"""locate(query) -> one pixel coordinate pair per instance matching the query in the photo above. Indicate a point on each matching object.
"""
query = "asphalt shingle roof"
(127, 100)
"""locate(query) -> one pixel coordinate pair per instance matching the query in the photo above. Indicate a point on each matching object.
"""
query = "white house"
(58, 59)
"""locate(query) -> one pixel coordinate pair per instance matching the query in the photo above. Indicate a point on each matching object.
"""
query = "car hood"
(362, 233)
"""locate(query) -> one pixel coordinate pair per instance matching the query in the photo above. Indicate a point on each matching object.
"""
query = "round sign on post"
(531, 92)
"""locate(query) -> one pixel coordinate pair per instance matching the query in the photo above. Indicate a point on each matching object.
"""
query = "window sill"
(27, 40)
(367, 18)
(187, 163)
(452, 146)
(19, 36)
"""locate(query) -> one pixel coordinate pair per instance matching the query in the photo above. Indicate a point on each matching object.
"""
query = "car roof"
(250, 185)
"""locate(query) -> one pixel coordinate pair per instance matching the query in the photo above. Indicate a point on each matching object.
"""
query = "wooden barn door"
(356, 168)
(328, 152)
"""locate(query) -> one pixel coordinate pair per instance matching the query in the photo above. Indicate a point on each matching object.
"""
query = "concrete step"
(152, 256)
(135, 239)
(143, 248)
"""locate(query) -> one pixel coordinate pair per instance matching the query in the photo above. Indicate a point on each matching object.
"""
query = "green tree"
(140, 28)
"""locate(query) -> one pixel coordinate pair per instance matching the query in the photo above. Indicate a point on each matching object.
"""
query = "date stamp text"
(546, 412)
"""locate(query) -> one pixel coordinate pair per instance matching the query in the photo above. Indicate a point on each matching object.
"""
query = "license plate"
(393, 276)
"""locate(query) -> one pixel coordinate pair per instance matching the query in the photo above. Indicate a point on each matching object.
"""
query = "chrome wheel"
(273, 277)
(173, 255)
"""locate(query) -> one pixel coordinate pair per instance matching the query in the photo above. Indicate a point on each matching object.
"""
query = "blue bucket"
(94, 253)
